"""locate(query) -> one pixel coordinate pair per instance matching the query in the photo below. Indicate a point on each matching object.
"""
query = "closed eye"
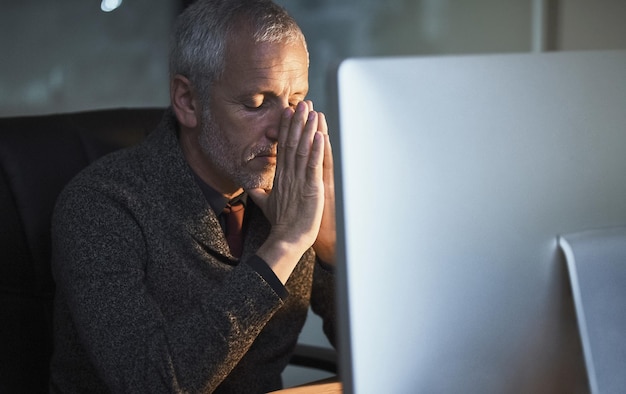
(255, 106)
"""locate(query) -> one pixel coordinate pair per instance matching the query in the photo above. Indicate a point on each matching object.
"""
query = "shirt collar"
(215, 199)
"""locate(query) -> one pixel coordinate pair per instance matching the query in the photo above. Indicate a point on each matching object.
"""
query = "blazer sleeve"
(323, 300)
(99, 264)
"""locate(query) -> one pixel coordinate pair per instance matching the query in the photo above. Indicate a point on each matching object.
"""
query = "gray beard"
(221, 153)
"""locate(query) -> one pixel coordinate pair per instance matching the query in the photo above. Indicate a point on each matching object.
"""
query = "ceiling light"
(110, 5)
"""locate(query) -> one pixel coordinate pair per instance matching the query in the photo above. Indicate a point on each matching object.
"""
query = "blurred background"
(74, 55)
(70, 55)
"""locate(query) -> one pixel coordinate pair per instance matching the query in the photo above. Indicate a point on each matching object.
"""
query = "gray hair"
(201, 32)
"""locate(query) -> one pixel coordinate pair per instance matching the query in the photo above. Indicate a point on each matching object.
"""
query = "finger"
(316, 158)
(322, 124)
(298, 122)
(259, 197)
(328, 158)
(309, 103)
(283, 132)
(304, 145)
(328, 152)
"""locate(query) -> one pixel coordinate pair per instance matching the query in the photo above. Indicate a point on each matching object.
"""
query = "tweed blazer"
(149, 298)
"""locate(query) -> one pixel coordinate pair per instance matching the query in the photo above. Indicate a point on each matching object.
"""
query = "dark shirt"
(218, 202)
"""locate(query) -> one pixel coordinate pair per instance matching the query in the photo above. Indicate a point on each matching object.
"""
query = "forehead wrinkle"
(271, 72)
(297, 74)
(276, 68)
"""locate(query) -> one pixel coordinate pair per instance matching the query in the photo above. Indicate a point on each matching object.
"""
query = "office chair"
(38, 156)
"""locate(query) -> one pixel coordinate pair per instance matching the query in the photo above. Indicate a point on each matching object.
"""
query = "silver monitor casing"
(455, 177)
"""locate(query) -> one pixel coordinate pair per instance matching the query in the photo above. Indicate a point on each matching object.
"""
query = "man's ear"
(184, 101)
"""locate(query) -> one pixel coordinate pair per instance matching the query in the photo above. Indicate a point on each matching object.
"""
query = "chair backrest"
(38, 156)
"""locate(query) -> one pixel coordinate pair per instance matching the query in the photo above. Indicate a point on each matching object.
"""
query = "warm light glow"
(110, 5)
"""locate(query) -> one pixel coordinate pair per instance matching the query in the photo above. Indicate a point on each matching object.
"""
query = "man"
(150, 296)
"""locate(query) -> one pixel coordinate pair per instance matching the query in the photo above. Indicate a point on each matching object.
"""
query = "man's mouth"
(268, 158)
(265, 153)
(268, 152)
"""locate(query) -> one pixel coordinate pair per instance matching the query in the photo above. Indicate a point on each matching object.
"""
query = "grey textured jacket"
(149, 299)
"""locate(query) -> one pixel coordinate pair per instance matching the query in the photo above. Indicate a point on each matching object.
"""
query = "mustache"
(263, 150)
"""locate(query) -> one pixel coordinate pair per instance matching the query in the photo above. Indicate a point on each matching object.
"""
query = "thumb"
(259, 196)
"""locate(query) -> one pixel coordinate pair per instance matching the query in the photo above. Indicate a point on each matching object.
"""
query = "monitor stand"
(596, 261)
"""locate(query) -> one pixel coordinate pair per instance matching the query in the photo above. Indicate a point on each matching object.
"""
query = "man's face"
(240, 129)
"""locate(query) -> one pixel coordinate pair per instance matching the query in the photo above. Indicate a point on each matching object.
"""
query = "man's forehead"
(264, 62)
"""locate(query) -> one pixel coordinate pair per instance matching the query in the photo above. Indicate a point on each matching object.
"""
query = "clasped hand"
(301, 204)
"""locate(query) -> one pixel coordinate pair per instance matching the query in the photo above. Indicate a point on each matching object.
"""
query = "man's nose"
(273, 126)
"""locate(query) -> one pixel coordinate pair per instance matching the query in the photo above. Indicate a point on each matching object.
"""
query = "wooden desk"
(325, 386)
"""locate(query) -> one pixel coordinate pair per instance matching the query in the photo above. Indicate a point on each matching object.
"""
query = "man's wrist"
(281, 257)
(261, 267)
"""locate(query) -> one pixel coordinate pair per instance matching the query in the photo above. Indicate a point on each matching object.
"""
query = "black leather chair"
(38, 156)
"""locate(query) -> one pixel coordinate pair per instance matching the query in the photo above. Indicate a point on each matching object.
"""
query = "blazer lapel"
(172, 180)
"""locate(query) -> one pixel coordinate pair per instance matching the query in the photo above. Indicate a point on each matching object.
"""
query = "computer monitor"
(456, 175)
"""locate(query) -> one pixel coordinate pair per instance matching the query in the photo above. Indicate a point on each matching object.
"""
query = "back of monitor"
(456, 175)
